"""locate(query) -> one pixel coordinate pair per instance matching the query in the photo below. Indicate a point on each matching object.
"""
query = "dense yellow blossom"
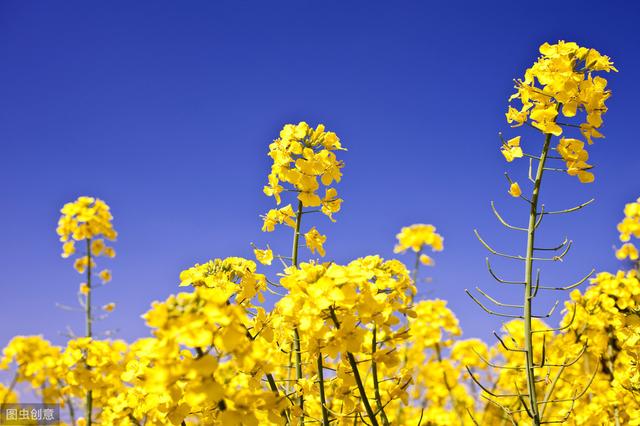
(417, 237)
(562, 81)
(227, 277)
(85, 218)
(354, 342)
(300, 156)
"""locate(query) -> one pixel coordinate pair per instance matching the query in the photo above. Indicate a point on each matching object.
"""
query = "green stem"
(72, 412)
(405, 356)
(549, 393)
(12, 385)
(610, 357)
(454, 403)
(323, 401)
(356, 374)
(296, 334)
(528, 292)
(88, 324)
(416, 268)
(374, 373)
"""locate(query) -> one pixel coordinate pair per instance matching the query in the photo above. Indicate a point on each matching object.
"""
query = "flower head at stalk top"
(628, 227)
(228, 277)
(87, 219)
(563, 81)
(418, 236)
(304, 160)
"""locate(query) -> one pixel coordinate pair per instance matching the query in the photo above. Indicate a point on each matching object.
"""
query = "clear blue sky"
(165, 110)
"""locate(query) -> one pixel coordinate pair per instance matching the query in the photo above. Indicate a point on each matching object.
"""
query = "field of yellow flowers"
(352, 344)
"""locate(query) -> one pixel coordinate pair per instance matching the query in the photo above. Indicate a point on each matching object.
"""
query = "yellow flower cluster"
(606, 321)
(86, 218)
(417, 237)
(300, 156)
(350, 343)
(629, 226)
(230, 276)
(333, 304)
(562, 80)
(575, 157)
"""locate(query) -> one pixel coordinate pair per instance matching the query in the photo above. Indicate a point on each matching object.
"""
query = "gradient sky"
(165, 110)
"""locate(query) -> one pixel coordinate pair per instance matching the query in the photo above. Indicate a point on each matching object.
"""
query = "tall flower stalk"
(87, 220)
(300, 156)
(561, 81)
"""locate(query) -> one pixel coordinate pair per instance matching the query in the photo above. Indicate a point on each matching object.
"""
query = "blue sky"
(165, 110)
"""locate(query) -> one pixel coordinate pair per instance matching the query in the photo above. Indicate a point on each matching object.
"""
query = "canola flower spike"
(562, 81)
(304, 160)
(417, 237)
(88, 220)
(85, 218)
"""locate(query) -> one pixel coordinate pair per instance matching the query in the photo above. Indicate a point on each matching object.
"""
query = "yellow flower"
(263, 256)
(544, 119)
(109, 307)
(303, 161)
(278, 216)
(575, 157)
(82, 263)
(417, 236)
(630, 225)
(84, 288)
(514, 190)
(273, 189)
(511, 149)
(627, 250)
(105, 275)
(426, 260)
(331, 203)
(97, 247)
(315, 241)
(517, 117)
(68, 248)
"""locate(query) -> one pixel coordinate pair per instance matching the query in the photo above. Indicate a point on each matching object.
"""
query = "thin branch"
(556, 248)
(572, 286)
(572, 209)
(548, 314)
(497, 303)
(517, 228)
(500, 280)
(489, 311)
